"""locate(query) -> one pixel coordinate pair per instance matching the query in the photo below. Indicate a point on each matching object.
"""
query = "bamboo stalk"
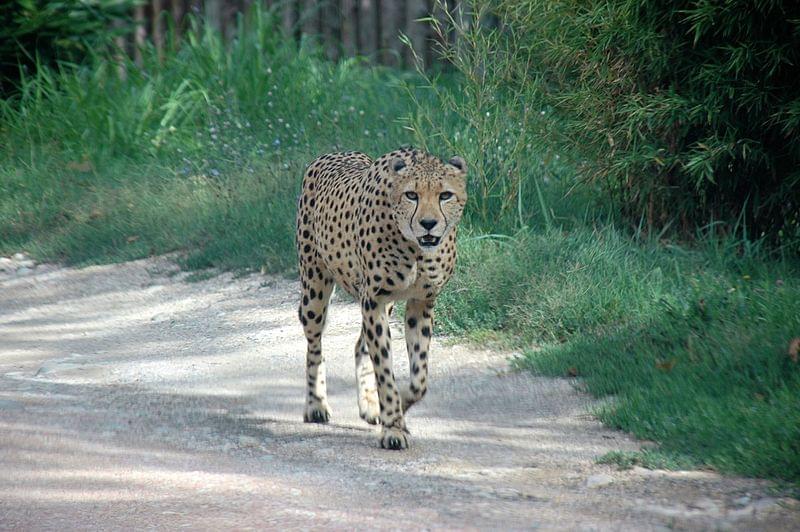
(441, 36)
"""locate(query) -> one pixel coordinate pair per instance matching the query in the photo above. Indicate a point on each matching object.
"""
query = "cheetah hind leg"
(369, 407)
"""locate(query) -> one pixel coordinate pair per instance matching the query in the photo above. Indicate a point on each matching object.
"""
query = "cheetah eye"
(445, 196)
(412, 195)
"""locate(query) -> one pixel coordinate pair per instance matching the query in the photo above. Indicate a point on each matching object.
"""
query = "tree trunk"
(156, 26)
(392, 20)
(349, 27)
(309, 18)
(289, 18)
(417, 33)
(330, 19)
(230, 14)
(120, 53)
(177, 10)
(140, 34)
(213, 12)
(368, 26)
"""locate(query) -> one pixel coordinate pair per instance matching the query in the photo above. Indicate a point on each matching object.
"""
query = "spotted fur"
(384, 231)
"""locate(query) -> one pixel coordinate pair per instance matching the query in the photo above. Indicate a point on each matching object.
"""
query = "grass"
(691, 345)
(201, 152)
(647, 458)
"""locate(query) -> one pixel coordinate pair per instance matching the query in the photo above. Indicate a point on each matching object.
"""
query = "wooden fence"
(344, 28)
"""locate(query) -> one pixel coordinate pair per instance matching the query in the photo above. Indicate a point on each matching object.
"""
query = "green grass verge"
(690, 345)
(649, 459)
(201, 151)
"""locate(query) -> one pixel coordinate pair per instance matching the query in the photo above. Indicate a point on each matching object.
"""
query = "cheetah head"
(427, 197)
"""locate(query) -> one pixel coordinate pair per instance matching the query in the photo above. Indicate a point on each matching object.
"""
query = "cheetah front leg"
(394, 434)
(313, 310)
(368, 405)
(419, 327)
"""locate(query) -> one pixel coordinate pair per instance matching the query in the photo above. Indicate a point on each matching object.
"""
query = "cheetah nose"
(428, 224)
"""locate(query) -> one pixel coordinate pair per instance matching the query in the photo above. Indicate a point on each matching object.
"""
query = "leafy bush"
(44, 31)
(686, 113)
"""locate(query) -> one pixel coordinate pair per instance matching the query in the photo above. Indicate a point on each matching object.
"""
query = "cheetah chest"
(423, 279)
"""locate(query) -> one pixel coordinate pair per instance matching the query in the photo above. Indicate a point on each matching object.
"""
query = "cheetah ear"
(397, 164)
(459, 163)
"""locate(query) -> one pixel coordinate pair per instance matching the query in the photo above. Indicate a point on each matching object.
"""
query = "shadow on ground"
(129, 398)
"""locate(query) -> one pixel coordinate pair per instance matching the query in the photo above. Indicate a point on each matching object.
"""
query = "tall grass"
(199, 150)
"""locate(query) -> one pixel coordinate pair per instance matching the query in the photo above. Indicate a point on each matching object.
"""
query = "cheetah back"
(327, 231)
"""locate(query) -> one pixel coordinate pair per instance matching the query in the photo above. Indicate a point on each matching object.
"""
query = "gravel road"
(133, 398)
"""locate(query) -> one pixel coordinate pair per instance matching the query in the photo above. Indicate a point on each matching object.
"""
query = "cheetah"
(382, 230)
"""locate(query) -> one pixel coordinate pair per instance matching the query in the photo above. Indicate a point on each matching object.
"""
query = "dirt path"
(130, 398)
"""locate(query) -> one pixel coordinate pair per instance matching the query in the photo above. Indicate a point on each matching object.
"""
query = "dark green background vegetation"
(44, 32)
(634, 194)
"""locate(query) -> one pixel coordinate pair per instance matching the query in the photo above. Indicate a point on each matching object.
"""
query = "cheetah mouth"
(428, 241)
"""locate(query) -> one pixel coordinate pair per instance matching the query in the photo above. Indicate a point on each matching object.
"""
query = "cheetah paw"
(395, 439)
(317, 414)
(370, 410)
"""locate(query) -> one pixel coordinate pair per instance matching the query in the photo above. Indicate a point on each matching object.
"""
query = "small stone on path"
(601, 479)
(249, 441)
